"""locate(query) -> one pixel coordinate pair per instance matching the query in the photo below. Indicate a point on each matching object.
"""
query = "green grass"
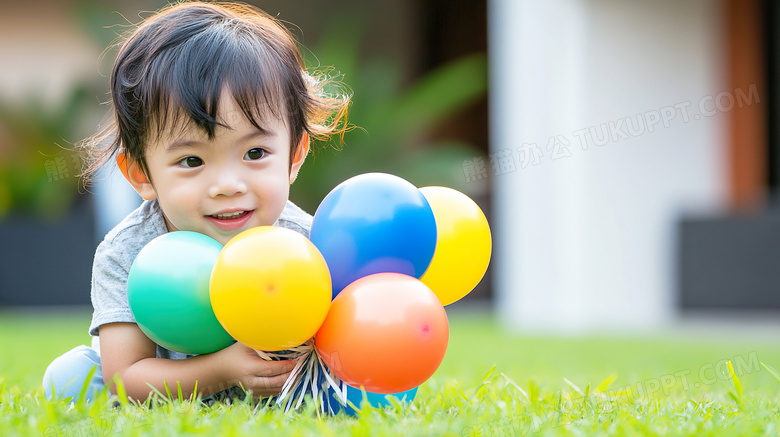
(668, 384)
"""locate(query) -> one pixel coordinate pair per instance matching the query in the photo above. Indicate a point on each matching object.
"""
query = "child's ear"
(136, 176)
(300, 156)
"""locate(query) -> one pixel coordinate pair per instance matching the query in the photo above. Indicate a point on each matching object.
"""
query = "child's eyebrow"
(182, 143)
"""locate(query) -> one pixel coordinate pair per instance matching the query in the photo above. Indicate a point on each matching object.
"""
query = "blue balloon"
(374, 223)
(355, 396)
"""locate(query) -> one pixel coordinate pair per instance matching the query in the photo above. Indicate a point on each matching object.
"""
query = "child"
(212, 117)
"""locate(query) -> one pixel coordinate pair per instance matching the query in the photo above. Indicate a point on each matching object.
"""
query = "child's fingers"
(273, 368)
(269, 385)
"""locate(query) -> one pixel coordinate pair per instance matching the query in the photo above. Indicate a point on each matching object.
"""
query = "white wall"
(584, 234)
(42, 51)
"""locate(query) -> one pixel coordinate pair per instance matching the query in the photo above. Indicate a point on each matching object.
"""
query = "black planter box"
(729, 263)
(47, 262)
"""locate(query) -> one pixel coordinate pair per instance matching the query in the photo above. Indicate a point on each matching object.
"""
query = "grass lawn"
(674, 383)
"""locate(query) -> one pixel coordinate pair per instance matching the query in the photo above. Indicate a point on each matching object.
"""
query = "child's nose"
(227, 184)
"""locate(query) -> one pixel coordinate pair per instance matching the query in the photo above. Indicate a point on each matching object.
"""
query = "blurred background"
(625, 152)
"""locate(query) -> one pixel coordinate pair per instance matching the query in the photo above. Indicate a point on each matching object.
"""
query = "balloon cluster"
(369, 286)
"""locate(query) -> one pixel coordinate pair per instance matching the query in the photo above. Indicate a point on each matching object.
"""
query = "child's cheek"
(181, 206)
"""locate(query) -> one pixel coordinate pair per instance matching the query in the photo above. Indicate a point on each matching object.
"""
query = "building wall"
(42, 50)
(605, 123)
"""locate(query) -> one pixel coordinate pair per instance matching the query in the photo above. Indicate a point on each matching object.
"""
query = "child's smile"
(230, 221)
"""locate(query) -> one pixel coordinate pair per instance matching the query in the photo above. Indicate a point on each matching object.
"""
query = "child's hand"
(263, 378)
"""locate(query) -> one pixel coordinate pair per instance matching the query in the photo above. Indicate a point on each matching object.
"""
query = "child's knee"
(67, 374)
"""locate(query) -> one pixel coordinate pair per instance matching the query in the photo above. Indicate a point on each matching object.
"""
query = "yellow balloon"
(270, 288)
(463, 244)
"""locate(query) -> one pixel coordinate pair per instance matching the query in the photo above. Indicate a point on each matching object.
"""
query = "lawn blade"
(772, 371)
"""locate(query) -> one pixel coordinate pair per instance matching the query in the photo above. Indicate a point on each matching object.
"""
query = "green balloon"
(168, 291)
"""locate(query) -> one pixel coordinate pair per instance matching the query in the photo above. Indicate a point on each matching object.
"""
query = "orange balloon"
(386, 332)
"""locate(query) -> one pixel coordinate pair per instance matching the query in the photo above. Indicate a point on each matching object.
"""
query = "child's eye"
(254, 154)
(191, 161)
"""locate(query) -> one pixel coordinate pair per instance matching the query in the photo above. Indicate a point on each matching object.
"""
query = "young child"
(213, 111)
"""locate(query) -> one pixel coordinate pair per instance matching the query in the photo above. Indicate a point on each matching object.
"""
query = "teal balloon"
(378, 400)
(168, 292)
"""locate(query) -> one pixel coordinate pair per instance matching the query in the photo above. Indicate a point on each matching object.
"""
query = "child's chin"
(223, 239)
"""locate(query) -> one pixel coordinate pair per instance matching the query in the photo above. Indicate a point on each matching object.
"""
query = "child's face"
(220, 187)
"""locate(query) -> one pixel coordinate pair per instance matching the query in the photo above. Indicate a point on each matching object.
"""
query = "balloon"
(355, 396)
(270, 288)
(168, 292)
(386, 332)
(374, 223)
(463, 247)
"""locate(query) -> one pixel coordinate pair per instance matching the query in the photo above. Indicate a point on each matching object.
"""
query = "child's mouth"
(230, 215)
(230, 221)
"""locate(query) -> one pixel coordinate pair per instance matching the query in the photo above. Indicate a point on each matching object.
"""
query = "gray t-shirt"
(116, 254)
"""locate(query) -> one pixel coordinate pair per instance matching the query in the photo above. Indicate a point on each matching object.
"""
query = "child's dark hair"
(175, 65)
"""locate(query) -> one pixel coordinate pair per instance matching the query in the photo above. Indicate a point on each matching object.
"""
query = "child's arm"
(127, 351)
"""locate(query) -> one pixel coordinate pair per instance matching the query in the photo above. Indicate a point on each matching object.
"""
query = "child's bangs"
(193, 78)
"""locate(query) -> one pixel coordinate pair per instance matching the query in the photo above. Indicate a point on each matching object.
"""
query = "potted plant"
(392, 121)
